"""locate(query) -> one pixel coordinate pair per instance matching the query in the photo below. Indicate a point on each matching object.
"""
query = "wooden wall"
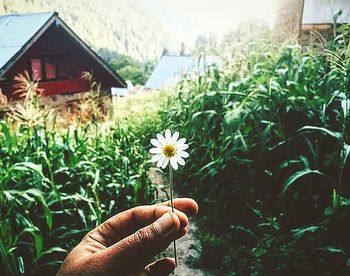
(56, 42)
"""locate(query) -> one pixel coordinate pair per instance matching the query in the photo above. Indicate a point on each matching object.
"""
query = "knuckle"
(138, 237)
(143, 235)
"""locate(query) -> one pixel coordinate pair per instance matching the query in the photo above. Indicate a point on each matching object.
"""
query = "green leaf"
(28, 166)
(48, 215)
(334, 250)
(298, 175)
(20, 265)
(38, 238)
(207, 112)
(345, 153)
(322, 130)
(54, 249)
(299, 232)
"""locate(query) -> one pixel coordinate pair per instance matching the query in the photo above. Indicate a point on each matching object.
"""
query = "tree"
(129, 69)
(7, 6)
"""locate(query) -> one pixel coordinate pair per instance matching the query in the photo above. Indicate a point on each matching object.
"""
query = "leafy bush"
(269, 135)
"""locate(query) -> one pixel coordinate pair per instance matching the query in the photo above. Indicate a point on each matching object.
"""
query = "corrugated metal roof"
(170, 69)
(322, 11)
(16, 30)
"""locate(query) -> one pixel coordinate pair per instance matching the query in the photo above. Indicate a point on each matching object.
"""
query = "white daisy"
(169, 149)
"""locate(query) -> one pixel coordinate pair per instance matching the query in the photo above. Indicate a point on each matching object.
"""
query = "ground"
(188, 248)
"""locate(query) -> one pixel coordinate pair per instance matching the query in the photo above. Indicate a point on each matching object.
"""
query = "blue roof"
(170, 69)
(16, 30)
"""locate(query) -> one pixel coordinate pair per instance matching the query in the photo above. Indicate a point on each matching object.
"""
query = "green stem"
(171, 184)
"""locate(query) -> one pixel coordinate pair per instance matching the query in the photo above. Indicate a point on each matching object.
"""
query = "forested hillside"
(110, 26)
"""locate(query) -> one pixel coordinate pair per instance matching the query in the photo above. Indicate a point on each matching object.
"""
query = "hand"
(124, 244)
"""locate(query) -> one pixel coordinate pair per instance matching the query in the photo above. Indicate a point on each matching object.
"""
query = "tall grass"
(269, 135)
(57, 184)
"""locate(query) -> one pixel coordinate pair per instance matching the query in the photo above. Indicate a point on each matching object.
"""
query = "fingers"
(161, 267)
(142, 245)
(128, 222)
(186, 205)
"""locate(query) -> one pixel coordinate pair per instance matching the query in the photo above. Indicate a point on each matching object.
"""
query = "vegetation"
(269, 135)
(115, 27)
(57, 184)
(131, 70)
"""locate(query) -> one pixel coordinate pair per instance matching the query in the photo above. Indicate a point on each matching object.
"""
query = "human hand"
(124, 244)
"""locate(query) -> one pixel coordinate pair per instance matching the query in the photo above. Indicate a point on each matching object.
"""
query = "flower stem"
(171, 184)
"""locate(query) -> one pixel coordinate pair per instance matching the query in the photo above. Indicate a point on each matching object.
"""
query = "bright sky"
(221, 15)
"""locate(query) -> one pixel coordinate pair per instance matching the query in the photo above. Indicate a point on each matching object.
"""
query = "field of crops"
(269, 164)
(59, 183)
(269, 142)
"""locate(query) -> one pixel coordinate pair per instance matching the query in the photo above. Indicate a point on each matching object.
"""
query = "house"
(301, 17)
(43, 45)
(170, 69)
(318, 15)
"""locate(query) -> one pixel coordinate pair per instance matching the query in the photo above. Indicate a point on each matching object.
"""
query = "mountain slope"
(176, 17)
(110, 26)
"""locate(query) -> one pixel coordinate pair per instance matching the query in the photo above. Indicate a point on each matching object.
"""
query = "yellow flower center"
(169, 150)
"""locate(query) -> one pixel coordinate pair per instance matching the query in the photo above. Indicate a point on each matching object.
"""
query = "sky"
(205, 16)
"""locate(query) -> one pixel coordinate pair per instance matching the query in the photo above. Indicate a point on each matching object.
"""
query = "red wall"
(56, 42)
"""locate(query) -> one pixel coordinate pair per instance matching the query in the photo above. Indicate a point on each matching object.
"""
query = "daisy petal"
(167, 134)
(180, 160)
(183, 154)
(182, 147)
(156, 158)
(165, 163)
(181, 141)
(161, 139)
(155, 150)
(175, 136)
(174, 164)
(160, 161)
(156, 143)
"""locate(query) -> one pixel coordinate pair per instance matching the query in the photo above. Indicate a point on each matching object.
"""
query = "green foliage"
(56, 186)
(129, 69)
(111, 27)
(269, 137)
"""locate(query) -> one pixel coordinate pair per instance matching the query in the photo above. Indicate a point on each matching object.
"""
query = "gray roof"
(170, 69)
(16, 30)
(322, 11)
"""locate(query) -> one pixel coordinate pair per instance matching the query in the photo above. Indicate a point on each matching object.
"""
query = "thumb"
(145, 243)
(161, 267)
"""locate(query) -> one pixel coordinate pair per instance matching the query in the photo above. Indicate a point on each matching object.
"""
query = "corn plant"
(57, 184)
(269, 135)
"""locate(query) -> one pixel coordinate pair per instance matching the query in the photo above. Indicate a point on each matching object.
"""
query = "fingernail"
(165, 224)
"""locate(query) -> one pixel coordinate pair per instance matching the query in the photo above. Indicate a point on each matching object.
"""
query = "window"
(36, 69)
(51, 68)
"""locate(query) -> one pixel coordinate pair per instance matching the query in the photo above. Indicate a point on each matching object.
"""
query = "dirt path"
(188, 247)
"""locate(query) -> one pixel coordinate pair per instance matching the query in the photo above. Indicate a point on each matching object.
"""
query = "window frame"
(55, 59)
